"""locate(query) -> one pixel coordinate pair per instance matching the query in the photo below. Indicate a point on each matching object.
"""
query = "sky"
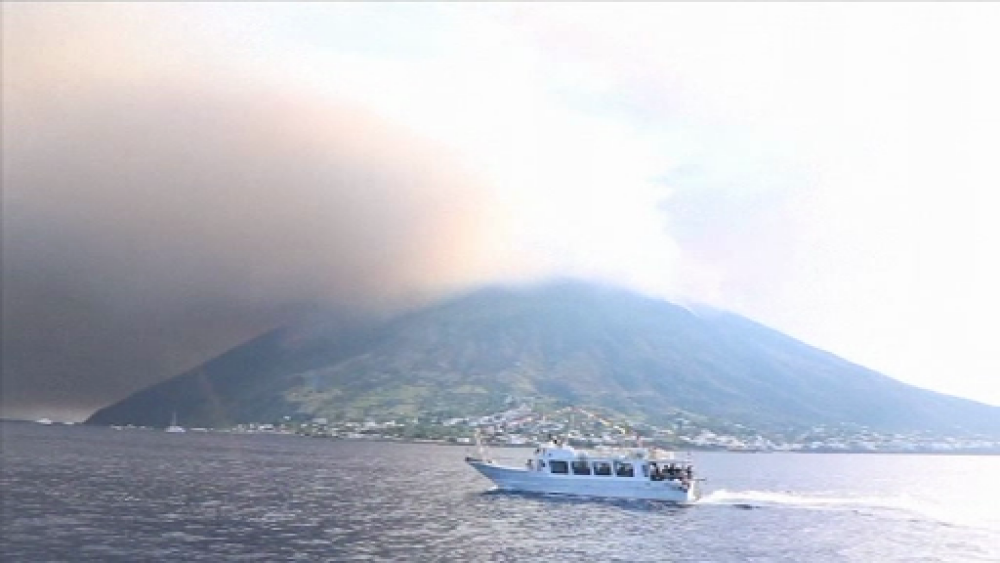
(180, 177)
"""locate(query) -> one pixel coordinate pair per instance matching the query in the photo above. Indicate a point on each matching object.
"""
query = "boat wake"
(765, 499)
(901, 507)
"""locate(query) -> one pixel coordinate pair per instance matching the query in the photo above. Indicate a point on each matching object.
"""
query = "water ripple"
(93, 494)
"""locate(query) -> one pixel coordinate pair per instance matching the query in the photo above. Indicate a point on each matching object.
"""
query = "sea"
(81, 493)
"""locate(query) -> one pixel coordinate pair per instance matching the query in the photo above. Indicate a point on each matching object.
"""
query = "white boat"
(633, 473)
(45, 421)
(174, 428)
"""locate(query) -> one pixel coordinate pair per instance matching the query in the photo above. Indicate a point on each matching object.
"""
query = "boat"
(174, 428)
(44, 421)
(627, 473)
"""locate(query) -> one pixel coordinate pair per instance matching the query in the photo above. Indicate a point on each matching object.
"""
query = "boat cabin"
(560, 459)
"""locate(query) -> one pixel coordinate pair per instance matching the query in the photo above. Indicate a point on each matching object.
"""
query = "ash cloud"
(158, 209)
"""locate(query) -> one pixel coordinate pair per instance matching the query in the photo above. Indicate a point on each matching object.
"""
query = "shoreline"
(435, 442)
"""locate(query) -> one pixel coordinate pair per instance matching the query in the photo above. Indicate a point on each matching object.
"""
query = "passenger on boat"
(654, 472)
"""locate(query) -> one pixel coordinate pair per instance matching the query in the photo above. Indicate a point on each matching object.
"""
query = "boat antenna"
(480, 449)
(569, 426)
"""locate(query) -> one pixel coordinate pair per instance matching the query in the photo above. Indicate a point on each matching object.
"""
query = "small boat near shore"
(174, 428)
(632, 473)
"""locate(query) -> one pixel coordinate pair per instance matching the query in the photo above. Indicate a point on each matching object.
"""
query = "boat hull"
(518, 479)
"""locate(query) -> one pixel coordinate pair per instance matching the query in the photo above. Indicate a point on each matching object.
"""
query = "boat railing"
(648, 454)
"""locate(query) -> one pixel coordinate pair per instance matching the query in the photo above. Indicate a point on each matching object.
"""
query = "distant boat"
(45, 421)
(174, 428)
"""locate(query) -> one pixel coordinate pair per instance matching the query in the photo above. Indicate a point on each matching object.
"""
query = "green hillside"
(561, 343)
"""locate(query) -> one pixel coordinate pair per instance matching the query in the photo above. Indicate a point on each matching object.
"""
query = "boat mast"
(569, 426)
(480, 449)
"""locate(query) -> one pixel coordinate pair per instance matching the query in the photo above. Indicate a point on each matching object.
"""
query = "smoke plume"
(160, 206)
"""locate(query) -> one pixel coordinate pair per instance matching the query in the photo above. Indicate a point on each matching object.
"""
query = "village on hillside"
(524, 425)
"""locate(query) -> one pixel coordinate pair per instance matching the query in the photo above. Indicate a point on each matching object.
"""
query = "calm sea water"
(96, 494)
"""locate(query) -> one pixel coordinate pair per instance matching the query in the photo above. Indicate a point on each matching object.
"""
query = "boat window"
(624, 469)
(558, 467)
(602, 468)
(645, 470)
(581, 467)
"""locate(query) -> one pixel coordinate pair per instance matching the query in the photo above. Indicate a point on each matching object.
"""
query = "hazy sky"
(179, 177)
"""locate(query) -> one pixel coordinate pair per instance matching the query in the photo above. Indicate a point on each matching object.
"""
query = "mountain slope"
(568, 342)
